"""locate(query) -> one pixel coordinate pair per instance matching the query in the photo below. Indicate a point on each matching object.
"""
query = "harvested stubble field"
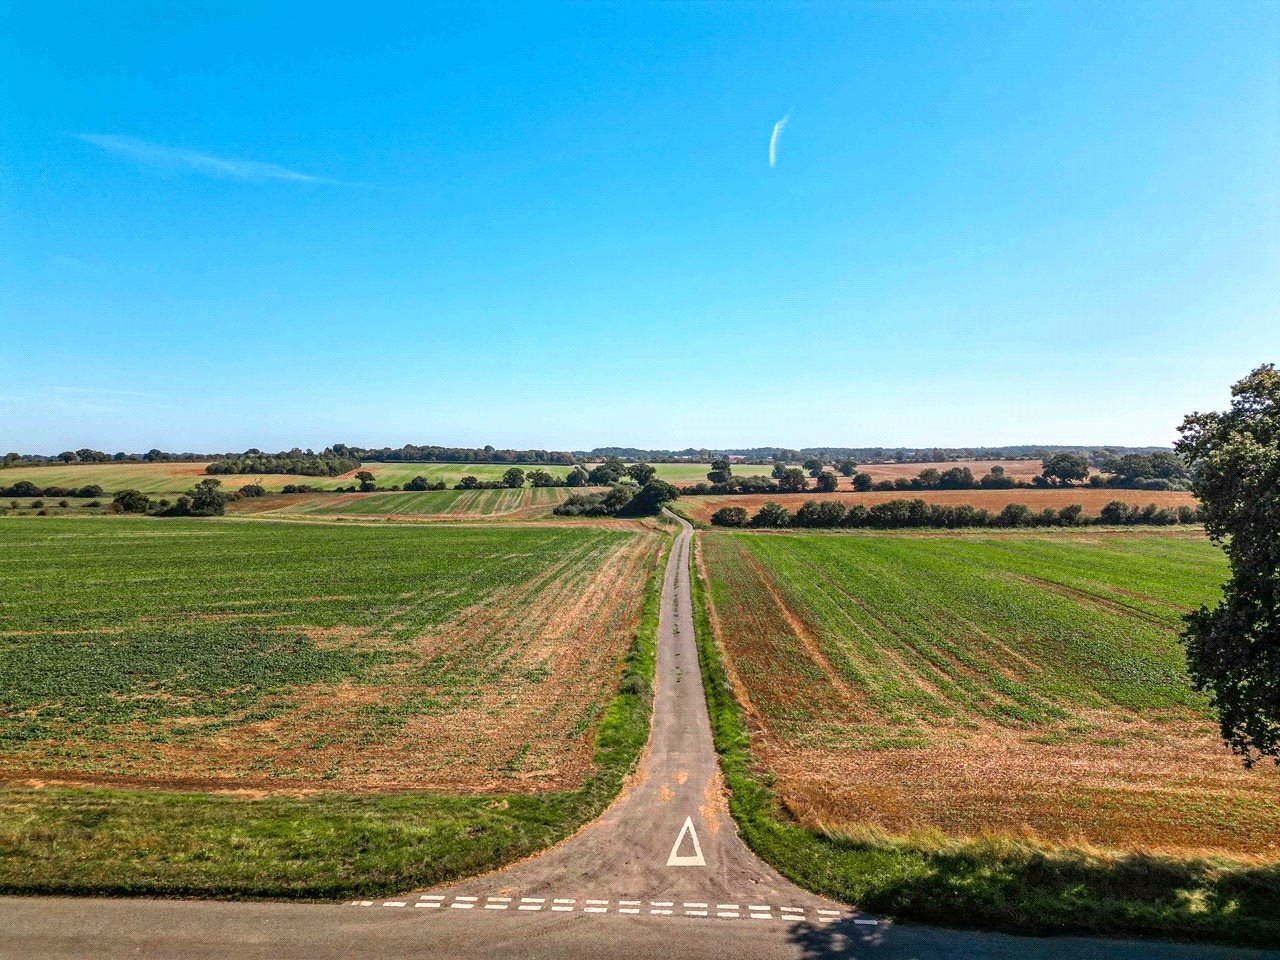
(1030, 686)
(519, 504)
(1092, 499)
(218, 655)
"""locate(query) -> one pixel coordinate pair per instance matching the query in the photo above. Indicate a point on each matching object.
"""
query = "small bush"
(730, 517)
(634, 684)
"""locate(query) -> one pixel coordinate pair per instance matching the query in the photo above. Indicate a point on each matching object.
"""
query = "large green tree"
(793, 480)
(1233, 650)
(1065, 468)
(208, 498)
(641, 473)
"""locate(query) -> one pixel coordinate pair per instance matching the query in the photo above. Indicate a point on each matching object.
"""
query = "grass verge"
(324, 846)
(990, 883)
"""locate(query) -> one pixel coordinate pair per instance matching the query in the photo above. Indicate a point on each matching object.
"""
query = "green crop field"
(398, 474)
(963, 667)
(443, 504)
(428, 503)
(260, 657)
(972, 726)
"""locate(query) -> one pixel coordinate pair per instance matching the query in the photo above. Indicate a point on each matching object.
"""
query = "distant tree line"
(316, 465)
(431, 453)
(790, 455)
(87, 456)
(898, 514)
(25, 488)
(413, 453)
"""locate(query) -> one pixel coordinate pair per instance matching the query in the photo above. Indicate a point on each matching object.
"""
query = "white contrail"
(206, 163)
(777, 135)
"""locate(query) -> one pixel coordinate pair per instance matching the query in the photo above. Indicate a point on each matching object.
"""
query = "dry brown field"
(1092, 499)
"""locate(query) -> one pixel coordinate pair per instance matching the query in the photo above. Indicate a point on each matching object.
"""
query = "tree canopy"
(1065, 468)
(1233, 650)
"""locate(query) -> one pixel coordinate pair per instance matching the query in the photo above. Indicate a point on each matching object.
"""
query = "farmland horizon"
(693, 454)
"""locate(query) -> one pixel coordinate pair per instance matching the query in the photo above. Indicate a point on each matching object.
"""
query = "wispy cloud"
(777, 135)
(226, 168)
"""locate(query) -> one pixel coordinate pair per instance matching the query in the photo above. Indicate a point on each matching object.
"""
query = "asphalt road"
(661, 875)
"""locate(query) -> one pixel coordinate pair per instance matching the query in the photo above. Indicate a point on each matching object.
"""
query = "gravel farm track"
(662, 874)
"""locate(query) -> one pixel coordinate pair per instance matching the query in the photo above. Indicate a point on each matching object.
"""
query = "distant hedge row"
(298, 466)
(898, 514)
(25, 488)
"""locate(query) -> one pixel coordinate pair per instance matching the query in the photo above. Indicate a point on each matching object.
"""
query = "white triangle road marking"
(697, 859)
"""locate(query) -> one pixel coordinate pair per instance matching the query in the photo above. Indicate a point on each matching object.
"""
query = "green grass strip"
(994, 884)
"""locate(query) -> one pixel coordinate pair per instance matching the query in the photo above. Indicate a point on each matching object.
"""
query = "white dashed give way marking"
(654, 908)
(676, 860)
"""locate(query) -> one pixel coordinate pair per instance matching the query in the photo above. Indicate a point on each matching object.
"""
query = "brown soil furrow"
(802, 631)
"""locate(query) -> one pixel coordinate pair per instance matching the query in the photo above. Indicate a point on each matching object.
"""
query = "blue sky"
(236, 224)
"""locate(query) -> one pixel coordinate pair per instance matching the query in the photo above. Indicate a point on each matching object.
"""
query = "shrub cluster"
(25, 488)
(511, 480)
(301, 488)
(897, 514)
(205, 499)
(625, 498)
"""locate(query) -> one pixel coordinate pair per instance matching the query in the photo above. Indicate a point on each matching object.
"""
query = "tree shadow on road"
(846, 939)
